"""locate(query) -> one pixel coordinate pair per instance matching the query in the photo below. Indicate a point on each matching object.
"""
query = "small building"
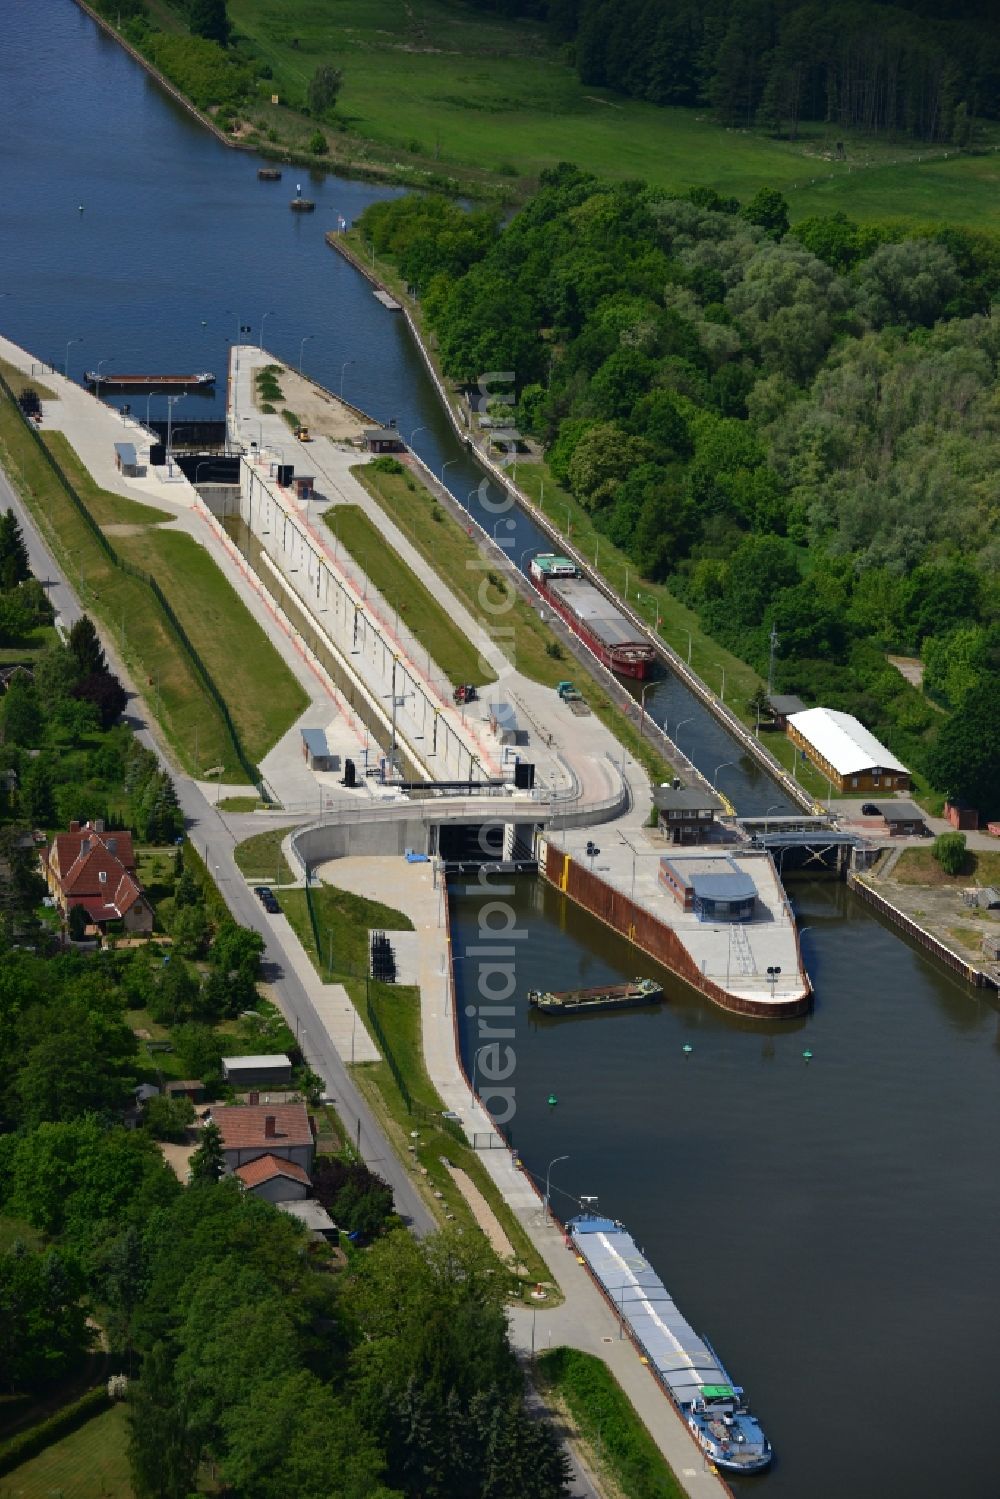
(712, 889)
(966, 819)
(313, 1216)
(275, 1179)
(252, 1130)
(382, 440)
(902, 819)
(685, 814)
(316, 751)
(94, 868)
(188, 1087)
(843, 750)
(126, 461)
(269, 1071)
(781, 707)
(302, 486)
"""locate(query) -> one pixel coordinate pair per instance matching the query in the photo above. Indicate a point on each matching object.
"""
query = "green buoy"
(687, 1049)
(552, 1100)
(807, 1056)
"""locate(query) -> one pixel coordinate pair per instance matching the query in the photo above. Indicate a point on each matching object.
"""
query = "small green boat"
(606, 997)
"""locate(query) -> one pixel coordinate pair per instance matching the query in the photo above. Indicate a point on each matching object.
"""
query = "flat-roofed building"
(847, 753)
(268, 1071)
(714, 889)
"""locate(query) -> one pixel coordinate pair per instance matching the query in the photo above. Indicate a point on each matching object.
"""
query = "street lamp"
(520, 565)
(774, 807)
(448, 465)
(262, 322)
(715, 777)
(631, 850)
(302, 346)
(678, 728)
(171, 403)
(342, 369)
(66, 360)
(548, 1175)
(475, 1063)
(97, 382)
(414, 433)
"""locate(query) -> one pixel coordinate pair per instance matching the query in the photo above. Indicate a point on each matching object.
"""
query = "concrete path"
(584, 1320)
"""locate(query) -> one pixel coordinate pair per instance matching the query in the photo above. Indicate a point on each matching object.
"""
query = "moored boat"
(686, 1366)
(604, 997)
(149, 382)
(590, 614)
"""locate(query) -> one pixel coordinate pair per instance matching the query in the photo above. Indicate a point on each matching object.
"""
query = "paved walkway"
(584, 1320)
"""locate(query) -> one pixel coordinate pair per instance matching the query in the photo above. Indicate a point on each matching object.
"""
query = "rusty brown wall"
(647, 932)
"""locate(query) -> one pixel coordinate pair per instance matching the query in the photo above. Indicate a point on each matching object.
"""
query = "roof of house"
(784, 703)
(844, 742)
(901, 811)
(382, 432)
(311, 1214)
(184, 1085)
(254, 1064)
(243, 1125)
(685, 799)
(266, 1167)
(95, 868)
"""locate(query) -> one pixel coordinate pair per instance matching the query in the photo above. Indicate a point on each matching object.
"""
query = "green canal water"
(831, 1226)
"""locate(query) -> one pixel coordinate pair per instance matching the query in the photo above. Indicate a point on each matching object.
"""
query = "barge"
(686, 1366)
(150, 382)
(615, 641)
(605, 997)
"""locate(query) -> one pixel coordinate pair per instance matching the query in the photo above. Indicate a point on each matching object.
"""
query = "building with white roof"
(846, 752)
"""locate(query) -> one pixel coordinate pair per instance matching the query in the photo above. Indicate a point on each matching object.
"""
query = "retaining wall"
(923, 938)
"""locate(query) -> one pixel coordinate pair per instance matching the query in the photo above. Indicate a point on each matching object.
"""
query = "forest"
(796, 429)
(925, 68)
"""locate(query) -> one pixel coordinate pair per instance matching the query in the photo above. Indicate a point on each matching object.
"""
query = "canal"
(830, 1226)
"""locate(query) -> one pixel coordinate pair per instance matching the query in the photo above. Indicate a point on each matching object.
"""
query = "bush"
(29, 1443)
(386, 465)
(318, 144)
(168, 1118)
(949, 851)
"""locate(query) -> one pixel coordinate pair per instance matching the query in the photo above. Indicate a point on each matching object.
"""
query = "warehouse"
(840, 746)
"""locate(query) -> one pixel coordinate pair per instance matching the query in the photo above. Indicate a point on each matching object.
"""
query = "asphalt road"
(212, 840)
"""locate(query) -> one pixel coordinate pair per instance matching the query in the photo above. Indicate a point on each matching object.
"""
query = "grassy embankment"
(262, 695)
(619, 1446)
(918, 866)
(533, 648)
(423, 616)
(445, 90)
(260, 857)
(344, 921)
(18, 381)
(90, 1463)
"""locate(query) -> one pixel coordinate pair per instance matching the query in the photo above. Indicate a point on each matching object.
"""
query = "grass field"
(918, 866)
(423, 616)
(438, 87)
(90, 1463)
(617, 1441)
(18, 381)
(260, 857)
(344, 922)
(107, 509)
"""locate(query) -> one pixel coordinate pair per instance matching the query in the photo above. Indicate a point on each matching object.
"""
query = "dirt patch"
(123, 528)
(318, 409)
(178, 1157)
(483, 1214)
(908, 667)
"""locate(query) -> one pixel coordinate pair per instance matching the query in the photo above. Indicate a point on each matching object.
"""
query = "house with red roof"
(253, 1131)
(275, 1179)
(92, 867)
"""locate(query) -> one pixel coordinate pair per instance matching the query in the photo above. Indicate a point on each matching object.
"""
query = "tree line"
(794, 427)
(924, 68)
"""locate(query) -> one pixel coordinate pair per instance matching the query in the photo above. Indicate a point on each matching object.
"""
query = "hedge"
(33, 1441)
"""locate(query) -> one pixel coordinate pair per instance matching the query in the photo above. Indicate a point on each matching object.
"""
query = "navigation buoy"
(552, 1100)
(79, 208)
(687, 1050)
(807, 1056)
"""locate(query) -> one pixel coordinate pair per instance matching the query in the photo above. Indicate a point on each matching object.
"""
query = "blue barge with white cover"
(686, 1366)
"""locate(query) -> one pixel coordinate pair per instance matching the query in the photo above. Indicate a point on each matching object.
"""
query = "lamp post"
(475, 1064)
(148, 399)
(302, 346)
(448, 465)
(715, 776)
(524, 554)
(548, 1176)
(69, 341)
(642, 706)
(723, 684)
(631, 850)
(678, 728)
(263, 320)
(97, 382)
(343, 367)
(774, 807)
(414, 433)
(688, 634)
(171, 403)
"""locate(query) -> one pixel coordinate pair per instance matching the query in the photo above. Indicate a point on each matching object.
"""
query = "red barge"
(149, 382)
(612, 637)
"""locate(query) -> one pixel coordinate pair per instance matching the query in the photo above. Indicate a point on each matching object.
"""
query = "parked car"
(869, 809)
(267, 898)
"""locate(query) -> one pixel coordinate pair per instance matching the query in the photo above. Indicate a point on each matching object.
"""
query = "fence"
(131, 571)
